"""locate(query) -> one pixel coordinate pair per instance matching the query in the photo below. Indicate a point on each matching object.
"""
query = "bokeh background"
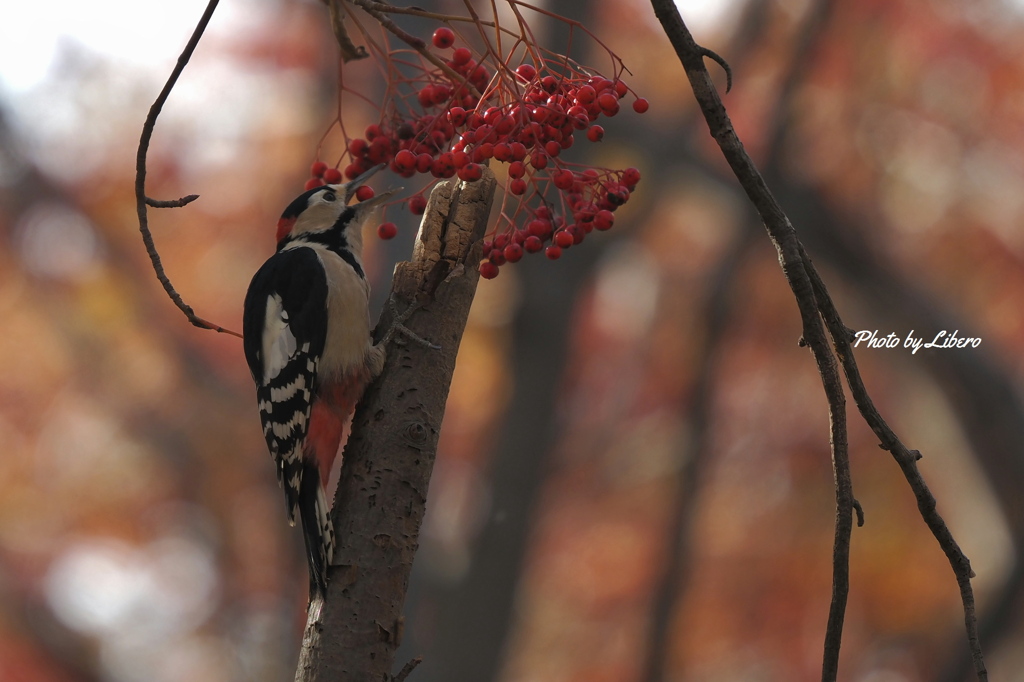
(633, 481)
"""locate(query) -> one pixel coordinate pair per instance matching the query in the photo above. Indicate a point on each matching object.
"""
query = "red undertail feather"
(328, 419)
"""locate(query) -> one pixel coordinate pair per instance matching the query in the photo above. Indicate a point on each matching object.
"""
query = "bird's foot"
(398, 326)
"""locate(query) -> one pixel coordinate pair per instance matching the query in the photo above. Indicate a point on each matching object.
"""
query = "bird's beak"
(378, 199)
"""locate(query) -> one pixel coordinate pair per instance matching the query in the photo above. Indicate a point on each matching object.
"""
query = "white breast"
(348, 327)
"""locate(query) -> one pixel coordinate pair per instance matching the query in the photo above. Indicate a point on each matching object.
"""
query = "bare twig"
(907, 460)
(349, 50)
(407, 669)
(718, 59)
(172, 203)
(815, 305)
(141, 200)
(375, 11)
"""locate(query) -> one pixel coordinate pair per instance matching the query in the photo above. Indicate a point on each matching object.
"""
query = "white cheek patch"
(278, 340)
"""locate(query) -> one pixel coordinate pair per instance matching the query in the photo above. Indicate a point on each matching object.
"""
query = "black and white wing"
(284, 327)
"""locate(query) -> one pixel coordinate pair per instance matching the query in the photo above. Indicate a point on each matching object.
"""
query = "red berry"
(526, 72)
(518, 151)
(564, 179)
(595, 133)
(471, 172)
(443, 38)
(484, 152)
(604, 220)
(313, 182)
(457, 116)
(332, 176)
(502, 152)
(440, 94)
(641, 105)
(417, 204)
(352, 171)
(443, 166)
(553, 252)
(517, 186)
(480, 76)
(586, 94)
(539, 160)
(533, 244)
(461, 56)
(563, 239)
(372, 131)
(488, 270)
(492, 115)
(364, 193)
(630, 177)
(405, 160)
(497, 255)
(357, 147)
(538, 228)
(620, 88)
(553, 148)
(386, 230)
(609, 103)
(617, 196)
(504, 125)
(516, 170)
(317, 169)
(424, 162)
(513, 252)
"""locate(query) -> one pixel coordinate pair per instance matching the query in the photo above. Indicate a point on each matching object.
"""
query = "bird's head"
(318, 213)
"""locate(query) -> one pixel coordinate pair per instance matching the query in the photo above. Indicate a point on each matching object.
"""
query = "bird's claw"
(398, 326)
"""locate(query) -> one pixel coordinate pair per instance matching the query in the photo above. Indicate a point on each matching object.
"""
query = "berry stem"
(412, 41)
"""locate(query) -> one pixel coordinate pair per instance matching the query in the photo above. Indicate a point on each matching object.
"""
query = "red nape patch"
(284, 226)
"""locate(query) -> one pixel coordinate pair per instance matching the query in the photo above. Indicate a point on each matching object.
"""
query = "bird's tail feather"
(317, 529)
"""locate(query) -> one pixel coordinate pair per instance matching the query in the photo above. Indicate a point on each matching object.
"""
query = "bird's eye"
(329, 196)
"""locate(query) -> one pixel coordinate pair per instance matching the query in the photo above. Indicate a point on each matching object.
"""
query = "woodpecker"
(306, 334)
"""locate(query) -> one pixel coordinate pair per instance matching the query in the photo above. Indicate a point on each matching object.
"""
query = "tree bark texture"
(352, 635)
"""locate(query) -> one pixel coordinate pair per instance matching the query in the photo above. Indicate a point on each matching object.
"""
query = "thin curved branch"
(718, 59)
(141, 200)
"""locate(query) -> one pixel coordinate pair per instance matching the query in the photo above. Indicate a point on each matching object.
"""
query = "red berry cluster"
(591, 198)
(459, 118)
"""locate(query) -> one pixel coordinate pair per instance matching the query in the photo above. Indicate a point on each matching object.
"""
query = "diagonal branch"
(907, 461)
(141, 200)
(815, 304)
(352, 634)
